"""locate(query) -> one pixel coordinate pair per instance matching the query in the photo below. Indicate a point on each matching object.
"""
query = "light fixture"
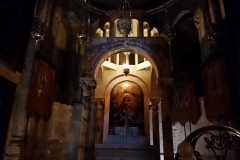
(38, 31)
(82, 35)
(126, 84)
(124, 24)
(126, 69)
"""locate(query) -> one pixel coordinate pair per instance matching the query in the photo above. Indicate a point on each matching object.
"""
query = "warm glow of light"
(126, 84)
(125, 66)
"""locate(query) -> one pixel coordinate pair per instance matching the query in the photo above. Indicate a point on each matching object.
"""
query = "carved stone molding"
(196, 21)
(100, 101)
(87, 84)
(213, 35)
(169, 34)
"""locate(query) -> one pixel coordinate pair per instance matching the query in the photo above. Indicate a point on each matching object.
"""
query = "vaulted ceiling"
(151, 6)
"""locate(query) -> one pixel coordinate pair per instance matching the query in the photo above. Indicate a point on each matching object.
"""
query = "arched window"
(154, 32)
(133, 33)
(99, 33)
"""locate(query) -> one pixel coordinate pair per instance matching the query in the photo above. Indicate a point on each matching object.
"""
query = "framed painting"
(216, 89)
(40, 99)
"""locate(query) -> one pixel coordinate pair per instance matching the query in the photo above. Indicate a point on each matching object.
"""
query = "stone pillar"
(87, 84)
(99, 120)
(140, 28)
(117, 61)
(200, 22)
(215, 12)
(127, 57)
(15, 143)
(136, 59)
(104, 33)
(92, 132)
(112, 29)
(165, 86)
(149, 32)
(160, 129)
(81, 50)
(151, 123)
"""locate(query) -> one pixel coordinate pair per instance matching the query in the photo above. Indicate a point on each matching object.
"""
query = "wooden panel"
(41, 92)
(216, 90)
(185, 106)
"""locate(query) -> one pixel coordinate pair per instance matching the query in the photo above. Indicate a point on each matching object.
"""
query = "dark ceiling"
(140, 4)
(16, 18)
(102, 6)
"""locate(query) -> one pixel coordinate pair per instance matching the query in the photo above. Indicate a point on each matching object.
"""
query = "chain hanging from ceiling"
(124, 24)
(83, 31)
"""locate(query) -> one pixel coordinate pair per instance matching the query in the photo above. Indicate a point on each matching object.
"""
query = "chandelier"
(38, 32)
(82, 34)
(124, 24)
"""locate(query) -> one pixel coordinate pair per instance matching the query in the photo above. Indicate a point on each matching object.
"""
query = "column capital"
(197, 20)
(90, 81)
(100, 101)
(169, 34)
(87, 84)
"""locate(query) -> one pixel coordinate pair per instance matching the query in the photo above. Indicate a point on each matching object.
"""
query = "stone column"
(140, 28)
(151, 124)
(200, 22)
(16, 138)
(112, 29)
(160, 129)
(99, 119)
(104, 33)
(149, 32)
(117, 61)
(165, 86)
(215, 12)
(87, 84)
(81, 50)
(136, 59)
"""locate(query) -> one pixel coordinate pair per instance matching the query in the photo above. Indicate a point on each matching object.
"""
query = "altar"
(122, 131)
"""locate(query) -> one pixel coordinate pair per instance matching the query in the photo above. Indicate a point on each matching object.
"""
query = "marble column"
(160, 129)
(151, 125)
(165, 86)
(16, 138)
(88, 84)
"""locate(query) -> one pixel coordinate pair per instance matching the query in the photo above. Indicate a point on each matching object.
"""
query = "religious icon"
(124, 110)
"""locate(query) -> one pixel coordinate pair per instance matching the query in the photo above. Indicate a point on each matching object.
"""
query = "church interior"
(119, 79)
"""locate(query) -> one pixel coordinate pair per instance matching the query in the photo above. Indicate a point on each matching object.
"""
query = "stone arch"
(124, 50)
(99, 33)
(109, 87)
(179, 16)
(97, 53)
(154, 32)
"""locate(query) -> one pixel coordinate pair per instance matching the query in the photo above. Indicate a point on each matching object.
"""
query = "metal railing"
(216, 138)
